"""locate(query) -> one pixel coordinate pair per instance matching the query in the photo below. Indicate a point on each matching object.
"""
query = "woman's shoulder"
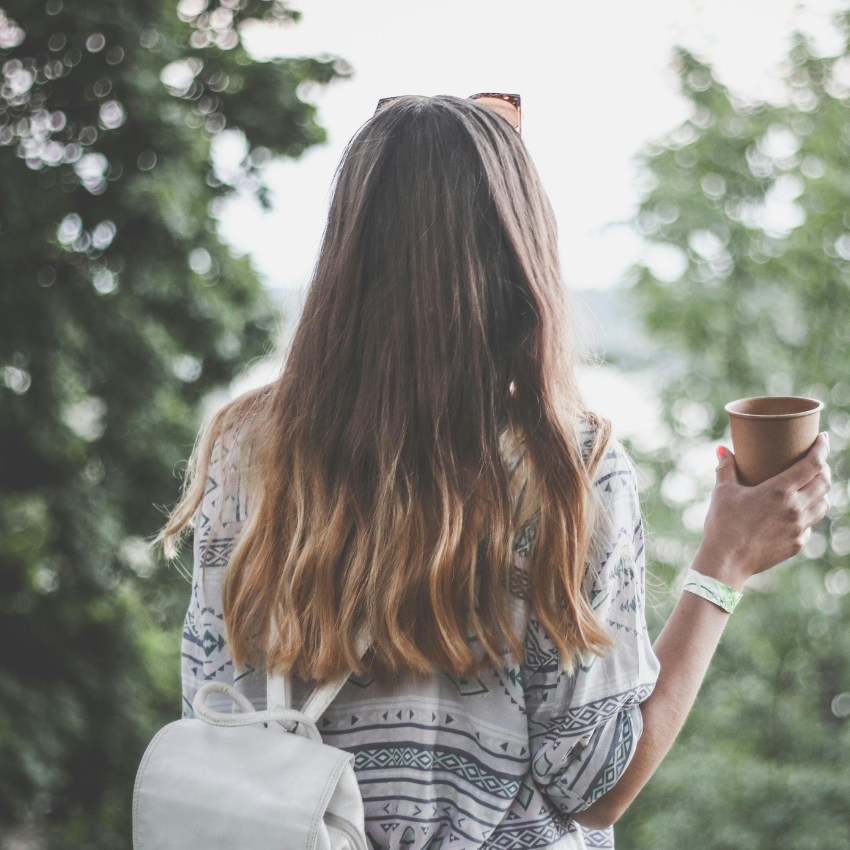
(606, 458)
(233, 431)
(613, 478)
(226, 491)
(611, 467)
(615, 470)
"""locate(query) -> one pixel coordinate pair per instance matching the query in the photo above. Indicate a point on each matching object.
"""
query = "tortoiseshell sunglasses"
(506, 105)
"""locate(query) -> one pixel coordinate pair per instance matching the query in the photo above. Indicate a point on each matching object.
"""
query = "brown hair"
(379, 496)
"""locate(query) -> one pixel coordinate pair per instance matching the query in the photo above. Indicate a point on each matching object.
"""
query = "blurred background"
(164, 175)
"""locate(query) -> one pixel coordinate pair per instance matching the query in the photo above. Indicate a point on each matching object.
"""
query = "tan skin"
(747, 530)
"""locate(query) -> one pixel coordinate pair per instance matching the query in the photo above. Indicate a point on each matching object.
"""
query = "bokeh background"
(164, 174)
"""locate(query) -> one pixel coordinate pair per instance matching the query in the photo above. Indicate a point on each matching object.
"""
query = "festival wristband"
(713, 590)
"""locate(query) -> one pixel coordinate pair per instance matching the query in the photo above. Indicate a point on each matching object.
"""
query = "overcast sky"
(595, 81)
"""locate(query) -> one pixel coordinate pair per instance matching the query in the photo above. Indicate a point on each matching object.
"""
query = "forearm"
(684, 649)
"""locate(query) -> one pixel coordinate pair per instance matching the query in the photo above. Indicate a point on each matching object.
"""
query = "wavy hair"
(435, 328)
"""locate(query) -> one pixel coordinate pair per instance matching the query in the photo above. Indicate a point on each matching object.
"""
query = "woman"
(424, 473)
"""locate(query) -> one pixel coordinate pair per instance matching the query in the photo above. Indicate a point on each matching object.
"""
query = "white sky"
(595, 82)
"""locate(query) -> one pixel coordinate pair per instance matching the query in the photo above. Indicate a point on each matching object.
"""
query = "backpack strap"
(293, 721)
(279, 689)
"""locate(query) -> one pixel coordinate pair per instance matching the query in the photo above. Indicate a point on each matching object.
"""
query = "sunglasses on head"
(506, 105)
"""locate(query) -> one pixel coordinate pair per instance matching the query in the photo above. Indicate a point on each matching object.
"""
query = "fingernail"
(721, 452)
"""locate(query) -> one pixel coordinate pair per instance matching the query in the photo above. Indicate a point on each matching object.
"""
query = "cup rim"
(816, 409)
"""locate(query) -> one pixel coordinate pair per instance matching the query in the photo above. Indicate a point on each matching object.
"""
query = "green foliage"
(119, 311)
(753, 199)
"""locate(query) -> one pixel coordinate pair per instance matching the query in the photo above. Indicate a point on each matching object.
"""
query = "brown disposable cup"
(772, 433)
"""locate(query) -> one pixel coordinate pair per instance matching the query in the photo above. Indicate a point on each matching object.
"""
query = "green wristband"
(713, 590)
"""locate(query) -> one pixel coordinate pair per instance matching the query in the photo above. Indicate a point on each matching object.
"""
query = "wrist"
(712, 590)
(722, 568)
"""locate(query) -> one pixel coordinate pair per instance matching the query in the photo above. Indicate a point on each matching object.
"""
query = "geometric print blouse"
(498, 762)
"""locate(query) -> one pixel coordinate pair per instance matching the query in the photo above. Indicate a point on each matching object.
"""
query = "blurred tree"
(747, 213)
(119, 310)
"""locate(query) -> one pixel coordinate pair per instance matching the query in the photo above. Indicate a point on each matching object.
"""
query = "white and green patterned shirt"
(498, 762)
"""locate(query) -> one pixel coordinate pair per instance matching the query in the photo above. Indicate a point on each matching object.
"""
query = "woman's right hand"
(751, 529)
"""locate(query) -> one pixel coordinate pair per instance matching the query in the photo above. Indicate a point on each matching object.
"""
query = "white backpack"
(255, 780)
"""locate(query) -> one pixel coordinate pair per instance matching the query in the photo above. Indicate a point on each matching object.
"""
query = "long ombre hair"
(380, 500)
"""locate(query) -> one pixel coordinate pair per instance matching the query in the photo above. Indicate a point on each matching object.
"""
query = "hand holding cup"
(768, 494)
(750, 529)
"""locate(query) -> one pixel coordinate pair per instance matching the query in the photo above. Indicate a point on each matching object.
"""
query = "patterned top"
(498, 762)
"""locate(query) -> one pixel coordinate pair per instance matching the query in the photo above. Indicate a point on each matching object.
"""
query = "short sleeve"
(584, 725)
(204, 654)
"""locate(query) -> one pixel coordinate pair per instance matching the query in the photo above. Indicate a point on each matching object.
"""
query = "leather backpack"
(252, 780)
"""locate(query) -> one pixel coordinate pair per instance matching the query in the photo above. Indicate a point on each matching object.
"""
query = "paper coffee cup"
(771, 433)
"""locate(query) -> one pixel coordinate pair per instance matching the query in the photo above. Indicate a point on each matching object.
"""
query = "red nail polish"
(721, 452)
